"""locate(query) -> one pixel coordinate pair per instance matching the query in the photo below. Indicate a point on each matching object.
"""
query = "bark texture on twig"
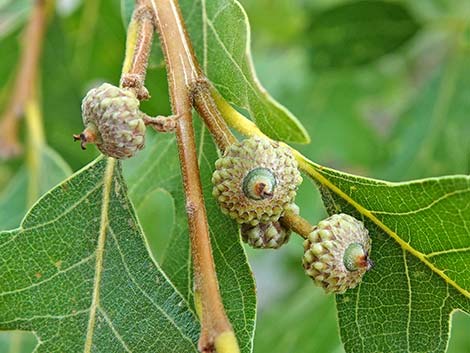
(183, 71)
(138, 48)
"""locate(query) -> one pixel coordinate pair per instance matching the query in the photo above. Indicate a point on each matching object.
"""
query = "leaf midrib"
(107, 182)
(315, 171)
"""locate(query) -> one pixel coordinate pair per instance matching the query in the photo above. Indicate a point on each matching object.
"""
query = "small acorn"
(255, 180)
(271, 235)
(336, 253)
(112, 121)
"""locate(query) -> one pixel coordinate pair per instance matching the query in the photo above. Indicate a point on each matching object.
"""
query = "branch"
(25, 80)
(208, 110)
(183, 71)
(298, 224)
(138, 47)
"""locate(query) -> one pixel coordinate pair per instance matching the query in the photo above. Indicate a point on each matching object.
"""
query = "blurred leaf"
(78, 272)
(433, 136)
(358, 32)
(459, 341)
(295, 324)
(220, 34)
(156, 214)
(28, 185)
(127, 7)
(157, 168)
(17, 342)
(420, 247)
(267, 28)
(13, 13)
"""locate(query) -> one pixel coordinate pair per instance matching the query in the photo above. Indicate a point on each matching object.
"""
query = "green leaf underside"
(78, 274)
(357, 33)
(158, 168)
(220, 34)
(14, 199)
(403, 303)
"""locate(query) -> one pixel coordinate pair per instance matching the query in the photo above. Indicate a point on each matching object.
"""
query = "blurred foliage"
(404, 115)
(357, 33)
(12, 14)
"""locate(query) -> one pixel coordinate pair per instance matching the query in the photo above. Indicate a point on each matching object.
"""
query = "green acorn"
(112, 121)
(336, 253)
(271, 235)
(255, 180)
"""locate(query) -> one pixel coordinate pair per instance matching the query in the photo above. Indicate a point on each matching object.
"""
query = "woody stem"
(183, 71)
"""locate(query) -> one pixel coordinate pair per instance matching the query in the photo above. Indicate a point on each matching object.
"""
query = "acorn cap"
(336, 253)
(255, 180)
(271, 235)
(113, 121)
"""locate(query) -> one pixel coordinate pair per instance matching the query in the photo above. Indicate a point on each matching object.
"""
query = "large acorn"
(336, 253)
(255, 180)
(112, 121)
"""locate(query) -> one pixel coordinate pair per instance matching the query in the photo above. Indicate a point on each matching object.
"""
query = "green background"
(395, 112)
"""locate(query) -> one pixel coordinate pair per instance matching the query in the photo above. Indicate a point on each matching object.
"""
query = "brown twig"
(138, 47)
(183, 71)
(26, 77)
(298, 224)
(189, 87)
(208, 110)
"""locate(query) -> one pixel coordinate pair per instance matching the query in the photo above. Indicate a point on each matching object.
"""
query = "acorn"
(112, 121)
(255, 181)
(336, 253)
(271, 235)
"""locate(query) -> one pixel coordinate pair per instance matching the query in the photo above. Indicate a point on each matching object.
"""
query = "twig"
(298, 224)
(138, 47)
(26, 76)
(208, 110)
(183, 71)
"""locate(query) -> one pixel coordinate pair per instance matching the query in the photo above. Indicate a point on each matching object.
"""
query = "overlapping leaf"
(12, 15)
(355, 33)
(220, 34)
(27, 185)
(221, 37)
(421, 250)
(78, 274)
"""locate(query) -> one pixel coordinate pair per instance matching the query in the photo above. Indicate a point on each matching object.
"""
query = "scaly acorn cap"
(271, 235)
(112, 121)
(336, 253)
(255, 180)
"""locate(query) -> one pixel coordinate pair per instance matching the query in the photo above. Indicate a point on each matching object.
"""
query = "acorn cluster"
(112, 121)
(254, 183)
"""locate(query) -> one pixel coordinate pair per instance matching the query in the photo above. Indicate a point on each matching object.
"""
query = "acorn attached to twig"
(112, 121)
(336, 253)
(255, 181)
(271, 235)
